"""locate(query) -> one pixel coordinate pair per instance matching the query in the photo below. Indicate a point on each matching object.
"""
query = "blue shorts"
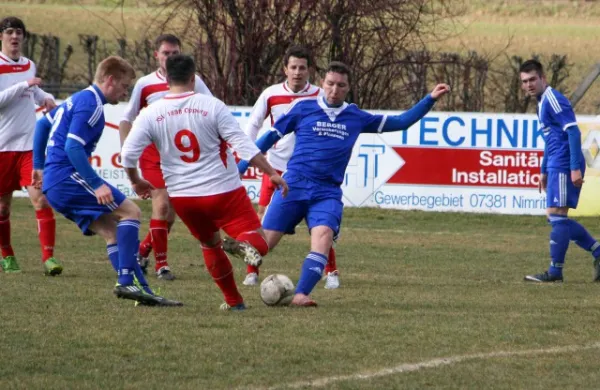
(560, 191)
(320, 205)
(75, 199)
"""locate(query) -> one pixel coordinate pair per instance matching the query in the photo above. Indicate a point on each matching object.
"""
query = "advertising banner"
(467, 162)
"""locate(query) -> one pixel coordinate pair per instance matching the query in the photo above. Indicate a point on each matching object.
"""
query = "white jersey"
(17, 104)
(191, 132)
(272, 103)
(151, 88)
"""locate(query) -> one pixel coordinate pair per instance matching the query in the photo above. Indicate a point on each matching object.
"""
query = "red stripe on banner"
(111, 125)
(468, 167)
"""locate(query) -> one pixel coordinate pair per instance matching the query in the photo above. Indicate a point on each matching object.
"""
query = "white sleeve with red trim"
(9, 94)
(258, 116)
(138, 139)
(230, 131)
(133, 107)
(200, 87)
(39, 96)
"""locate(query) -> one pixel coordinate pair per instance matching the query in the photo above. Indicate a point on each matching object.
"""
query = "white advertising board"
(470, 162)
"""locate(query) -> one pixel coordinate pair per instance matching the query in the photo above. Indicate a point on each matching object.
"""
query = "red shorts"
(15, 171)
(205, 215)
(150, 167)
(267, 189)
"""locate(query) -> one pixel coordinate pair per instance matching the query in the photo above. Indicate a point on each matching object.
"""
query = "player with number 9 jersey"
(191, 132)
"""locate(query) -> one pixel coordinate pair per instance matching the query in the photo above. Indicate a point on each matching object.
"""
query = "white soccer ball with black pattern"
(277, 290)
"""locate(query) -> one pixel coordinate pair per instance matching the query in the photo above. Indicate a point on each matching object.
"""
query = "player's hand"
(543, 183)
(440, 90)
(281, 184)
(104, 194)
(34, 82)
(577, 178)
(49, 104)
(143, 188)
(36, 178)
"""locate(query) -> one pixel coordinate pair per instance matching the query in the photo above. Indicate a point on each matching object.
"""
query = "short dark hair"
(12, 22)
(169, 38)
(338, 67)
(298, 52)
(530, 66)
(180, 69)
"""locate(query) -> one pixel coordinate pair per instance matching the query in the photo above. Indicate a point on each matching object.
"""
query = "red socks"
(46, 232)
(146, 245)
(160, 237)
(331, 266)
(219, 267)
(5, 246)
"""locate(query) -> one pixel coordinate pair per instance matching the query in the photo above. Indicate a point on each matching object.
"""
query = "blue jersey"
(325, 137)
(81, 118)
(556, 116)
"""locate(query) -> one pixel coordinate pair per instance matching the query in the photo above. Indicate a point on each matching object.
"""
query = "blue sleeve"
(574, 147)
(86, 115)
(40, 141)
(264, 143)
(560, 111)
(384, 123)
(544, 167)
(288, 121)
(79, 160)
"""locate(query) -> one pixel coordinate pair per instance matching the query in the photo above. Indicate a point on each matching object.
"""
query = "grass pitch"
(416, 287)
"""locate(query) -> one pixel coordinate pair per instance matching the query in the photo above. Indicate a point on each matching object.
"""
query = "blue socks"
(127, 242)
(311, 272)
(559, 243)
(583, 238)
(113, 256)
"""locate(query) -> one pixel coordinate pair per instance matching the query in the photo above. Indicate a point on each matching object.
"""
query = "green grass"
(416, 286)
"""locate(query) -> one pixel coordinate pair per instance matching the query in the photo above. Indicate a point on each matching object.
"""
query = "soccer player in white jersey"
(146, 91)
(272, 103)
(191, 132)
(19, 92)
(562, 171)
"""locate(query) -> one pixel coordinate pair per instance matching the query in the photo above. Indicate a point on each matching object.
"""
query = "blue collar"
(100, 94)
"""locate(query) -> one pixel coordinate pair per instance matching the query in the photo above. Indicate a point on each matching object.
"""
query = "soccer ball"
(277, 290)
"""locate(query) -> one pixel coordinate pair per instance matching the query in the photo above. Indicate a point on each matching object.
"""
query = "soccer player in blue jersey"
(326, 129)
(68, 135)
(562, 171)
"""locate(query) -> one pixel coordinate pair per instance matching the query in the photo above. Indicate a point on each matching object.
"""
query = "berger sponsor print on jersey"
(469, 162)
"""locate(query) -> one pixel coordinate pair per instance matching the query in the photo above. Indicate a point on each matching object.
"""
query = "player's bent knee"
(128, 210)
(557, 210)
(160, 208)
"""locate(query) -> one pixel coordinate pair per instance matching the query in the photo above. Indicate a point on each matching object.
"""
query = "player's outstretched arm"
(414, 114)
(261, 163)
(264, 143)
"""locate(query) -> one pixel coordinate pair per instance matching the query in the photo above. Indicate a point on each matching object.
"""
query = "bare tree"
(239, 44)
